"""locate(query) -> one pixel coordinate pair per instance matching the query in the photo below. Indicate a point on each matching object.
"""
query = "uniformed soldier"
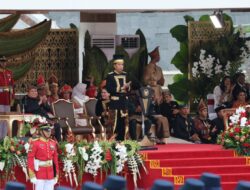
(43, 160)
(118, 87)
(6, 86)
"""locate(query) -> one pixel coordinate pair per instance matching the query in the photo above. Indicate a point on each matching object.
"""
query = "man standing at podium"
(6, 86)
(118, 87)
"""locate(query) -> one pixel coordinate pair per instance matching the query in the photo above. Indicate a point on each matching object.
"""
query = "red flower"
(246, 144)
(237, 130)
(108, 155)
(243, 114)
(231, 134)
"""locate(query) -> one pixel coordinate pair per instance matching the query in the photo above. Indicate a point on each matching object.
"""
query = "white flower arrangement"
(82, 151)
(68, 166)
(121, 156)
(239, 117)
(95, 159)
(208, 65)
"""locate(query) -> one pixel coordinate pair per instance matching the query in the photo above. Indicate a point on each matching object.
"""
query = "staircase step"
(225, 186)
(179, 162)
(189, 154)
(200, 161)
(213, 169)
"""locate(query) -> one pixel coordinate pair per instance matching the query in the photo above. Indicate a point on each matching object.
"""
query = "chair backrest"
(227, 113)
(63, 109)
(90, 107)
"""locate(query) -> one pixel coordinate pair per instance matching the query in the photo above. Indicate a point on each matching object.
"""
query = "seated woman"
(241, 99)
(223, 92)
(79, 98)
(65, 92)
(102, 110)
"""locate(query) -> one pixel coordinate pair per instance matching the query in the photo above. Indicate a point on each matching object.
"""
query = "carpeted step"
(168, 174)
(188, 154)
(225, 186)
(224, 177)
(178, 162)
(200, 161)
(190, 170)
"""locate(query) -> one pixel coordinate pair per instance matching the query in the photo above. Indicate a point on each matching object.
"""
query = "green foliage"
(143, 55)
(180, 32)
(180, 88)
(188, 18)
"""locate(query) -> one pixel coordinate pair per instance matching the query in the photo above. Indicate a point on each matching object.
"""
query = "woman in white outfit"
(79, 98)
(223, 92)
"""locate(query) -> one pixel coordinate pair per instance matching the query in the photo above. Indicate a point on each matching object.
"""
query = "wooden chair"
(64, 112)
(226, 114)
(94, 119)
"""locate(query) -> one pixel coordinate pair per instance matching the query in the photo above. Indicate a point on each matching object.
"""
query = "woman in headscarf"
(79, 97)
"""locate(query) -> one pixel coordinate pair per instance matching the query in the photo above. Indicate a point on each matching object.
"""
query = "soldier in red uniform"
(6, 87)
(43, 160)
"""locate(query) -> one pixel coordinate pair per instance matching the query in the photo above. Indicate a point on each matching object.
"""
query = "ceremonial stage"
(177, 162)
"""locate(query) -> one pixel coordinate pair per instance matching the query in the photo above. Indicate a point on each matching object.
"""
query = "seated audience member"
(35, 105)
(42, 88)
(102, 106)
(241, 99)
(65, 92)
(161, 122)
(102, 110)
(91, 88)
(240, 85)
(184, 125)
(169, 108)
(79, 98)
(218, 122)
(203, 125)
(135, 117)
(53, 87)
(223, 92)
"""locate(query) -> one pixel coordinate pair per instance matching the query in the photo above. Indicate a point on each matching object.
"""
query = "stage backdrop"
(57, 54)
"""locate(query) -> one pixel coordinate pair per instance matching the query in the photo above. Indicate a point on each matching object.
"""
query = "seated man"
(184, 125)
(204, 127)
(218, 122)
(135, 117)
(169, 108)
(161, 122)
(36, 105)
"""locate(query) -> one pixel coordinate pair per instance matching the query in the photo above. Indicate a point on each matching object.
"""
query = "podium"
(10, 117)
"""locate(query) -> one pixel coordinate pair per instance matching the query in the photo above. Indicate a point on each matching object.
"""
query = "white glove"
(55, 180)
(33, 180)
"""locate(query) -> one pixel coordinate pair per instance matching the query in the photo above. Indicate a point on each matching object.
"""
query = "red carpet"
(177, 162)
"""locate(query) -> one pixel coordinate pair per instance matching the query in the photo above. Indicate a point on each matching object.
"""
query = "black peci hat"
(117, 58)
(220, 107)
